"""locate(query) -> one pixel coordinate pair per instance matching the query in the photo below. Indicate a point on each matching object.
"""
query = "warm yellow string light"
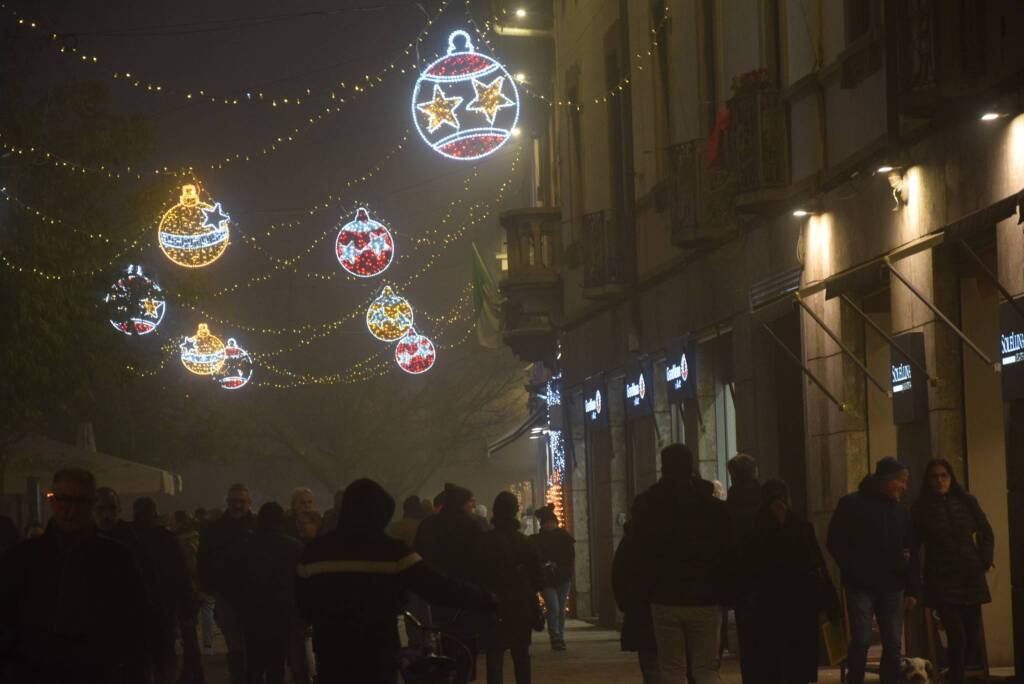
(302, 96)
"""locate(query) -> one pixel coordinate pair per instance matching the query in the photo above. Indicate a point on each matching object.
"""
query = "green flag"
(488, 301)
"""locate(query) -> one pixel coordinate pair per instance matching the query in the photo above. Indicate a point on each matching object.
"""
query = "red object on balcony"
(722, 122)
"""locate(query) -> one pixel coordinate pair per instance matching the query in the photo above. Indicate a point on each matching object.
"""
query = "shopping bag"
(836, 642)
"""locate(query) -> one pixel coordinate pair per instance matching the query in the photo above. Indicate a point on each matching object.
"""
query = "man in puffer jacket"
(871, 536)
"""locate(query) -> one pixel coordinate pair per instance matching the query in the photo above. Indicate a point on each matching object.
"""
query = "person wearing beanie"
(788, 586)
(510, 569)
(405, 527)
(558, 555)
(262, 574)
(871, 537)
(450, 542)
(686, 548)
(353, 583)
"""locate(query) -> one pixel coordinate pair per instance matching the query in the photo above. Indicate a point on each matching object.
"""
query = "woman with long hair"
(510, 569)
(958, 550)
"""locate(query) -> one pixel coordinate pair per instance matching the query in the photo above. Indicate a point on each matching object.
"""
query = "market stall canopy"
(38, 457)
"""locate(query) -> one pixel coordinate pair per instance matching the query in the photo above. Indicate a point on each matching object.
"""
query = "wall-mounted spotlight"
(521, 13)
(990, 116)
(801, 213)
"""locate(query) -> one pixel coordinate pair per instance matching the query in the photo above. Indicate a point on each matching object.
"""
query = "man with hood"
(744, 501)
(871, 537)
(353, 582)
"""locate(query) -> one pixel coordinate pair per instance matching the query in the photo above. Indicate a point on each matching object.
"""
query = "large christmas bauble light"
(364, 247)
(203, 353)
(194, 233)
(415, 353)
(136, 303)
(389, 316)
(236, 371)
(465, 105)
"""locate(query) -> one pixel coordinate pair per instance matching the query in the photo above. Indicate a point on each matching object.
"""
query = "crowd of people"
(92, 597)
(687, 556)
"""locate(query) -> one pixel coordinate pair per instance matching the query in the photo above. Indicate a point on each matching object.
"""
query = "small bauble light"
(465, 105)
(364, 247)
(203, 353)
(136, 303)
(236, 371)
(194, 233)
(415, 353)
(389, 316)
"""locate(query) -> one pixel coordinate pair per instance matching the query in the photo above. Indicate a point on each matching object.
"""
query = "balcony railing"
(604, 264)
(700, 197)
(757, 142)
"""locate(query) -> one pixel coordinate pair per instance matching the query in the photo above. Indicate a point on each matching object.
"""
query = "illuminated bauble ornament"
(192, 232)
(202, 354)
(415, 353)
(389, 316)
(136, 303)
(365, 247)
(236, 370)
(465, 105)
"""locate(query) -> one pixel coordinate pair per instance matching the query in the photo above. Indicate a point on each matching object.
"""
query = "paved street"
(593, 657)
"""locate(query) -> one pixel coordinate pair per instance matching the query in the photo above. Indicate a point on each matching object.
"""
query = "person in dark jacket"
(352, 584)
(217, 542)
(450, 542)
(959, 547)
(9, 535)
(262, 571)
(72, 604)
(185, 530)
(743, 500)
(167, 581)
(788, 587)
(510, 569)
(871, 537)
(631, 597)
(685, 541)
(558, 554)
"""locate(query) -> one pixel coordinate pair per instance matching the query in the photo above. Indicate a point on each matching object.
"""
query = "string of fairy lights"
(465, 107)
(64, 45)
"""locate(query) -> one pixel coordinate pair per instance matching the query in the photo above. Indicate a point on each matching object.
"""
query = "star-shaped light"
(189, 345)
(378, 243)
(348, 252)
(214, 217)
(441, 110)
(489, 98)
(150, 306)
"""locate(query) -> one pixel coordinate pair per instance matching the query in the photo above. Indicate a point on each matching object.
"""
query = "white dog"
(917, 671)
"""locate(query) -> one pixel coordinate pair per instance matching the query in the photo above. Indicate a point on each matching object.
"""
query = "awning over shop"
(520, 430)
(38, 457)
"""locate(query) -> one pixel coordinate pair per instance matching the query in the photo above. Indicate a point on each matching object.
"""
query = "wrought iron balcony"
(533, 287)
(757, 142)
(700, 197)
(604, 265)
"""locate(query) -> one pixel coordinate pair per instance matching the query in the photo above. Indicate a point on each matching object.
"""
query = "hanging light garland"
(242, 96)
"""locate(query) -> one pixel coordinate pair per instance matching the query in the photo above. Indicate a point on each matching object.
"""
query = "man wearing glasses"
(72, 603)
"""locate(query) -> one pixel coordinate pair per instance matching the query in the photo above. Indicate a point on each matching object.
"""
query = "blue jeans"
(555, 599)
(887, 607)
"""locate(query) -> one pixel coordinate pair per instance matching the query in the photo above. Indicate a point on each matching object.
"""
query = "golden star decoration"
(489, 98)
(441, 110)
(150, 307)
